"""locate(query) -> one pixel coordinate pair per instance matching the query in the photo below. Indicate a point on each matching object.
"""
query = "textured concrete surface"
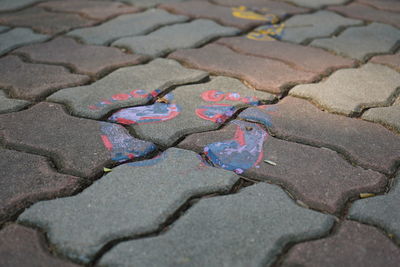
(18, 37)
(390, 5)
(388, 60)
(9, 105)
(317, 3)
(387, 116)
(8, 5)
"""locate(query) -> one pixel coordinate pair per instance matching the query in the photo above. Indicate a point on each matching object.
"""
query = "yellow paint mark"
(365, 195)
(243, 12)
(106, 170)
(266, 33)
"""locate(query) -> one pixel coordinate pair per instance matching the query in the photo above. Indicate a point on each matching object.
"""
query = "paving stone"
(274, 7)
(349, 91)
(368, 144)
(126, 25)
(250, 228)
(133, 199)
(126, 87)
(364, 12)
(380, 210)
(317, 3)
(3, 28)
(190, 109)
(45, 21)
(7, 5)
(262, 73)
(387, 116)
(87, 59)
(149, 3)
(170, 38)
(23, 246)
(360, 42)
(9, 104)
(34, 81)
(18, 37)
(78, 146)
(98, 10)
(390, 5)
(353, 245)
(389, 60)
(303, 57)
(26, 179)
(318, 177)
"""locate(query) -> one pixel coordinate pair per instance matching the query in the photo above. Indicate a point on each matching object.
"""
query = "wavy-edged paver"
(135, 198)
(192, 108)
(126, 25)
(360, 42)
(274, 7)
(23, 246)
(369, 144)
(262, 73)
(250, 228)
(150, 3)
(26, 179)
(86, 59)
(170, 38)
(317, 3)
(349, 91)
(9, 105)
(353, 244)
(18, 37)
(3, 28)
(125, 87)
(78, 146)
(8, 5)
(388, 60)
(318, 177)
(35, 81)
(390, 5)
(387, 116)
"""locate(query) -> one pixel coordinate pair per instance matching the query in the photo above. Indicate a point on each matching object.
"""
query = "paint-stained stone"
(360, 42)
(368, 144)
(133, 199)
(26, 179)
(45, 21)
(317, 3)
(390, 5)
(353, 244)
(302, 57)
(126, 25)
(9, 105)
(387, 116)
(126, 87)
(262, 73)
(200, 107)
(18, 37)
(86, 59)
(318, 177)
(22, 246)
(388, 60)
(7, 5)
(170, 38)
(78, 146)
(250, 228)
(349, 91)
(34, 81)
(274, 7)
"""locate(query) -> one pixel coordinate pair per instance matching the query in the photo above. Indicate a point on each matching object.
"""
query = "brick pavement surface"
(199, 132)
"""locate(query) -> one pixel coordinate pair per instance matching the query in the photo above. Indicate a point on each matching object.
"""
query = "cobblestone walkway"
(200, 133)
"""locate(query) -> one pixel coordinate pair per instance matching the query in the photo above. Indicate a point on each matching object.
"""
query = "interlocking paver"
(349, 91)
(353, 245)
(318, 177)
(7, 5)
(391, 5)
(87, 59)
(380, 210)
(149, 3)
(78, 146)
(192, 108)
(3, 28)
(246, 229)
(262, 73)
(18, 37)
(133, 199)
(389, 60)
(9, 105)
(34, 81)
(317, 3)
(170, 38)
(26, 179)
(22, 246)
(360, 42)
(368, 144)
(388, 116)
(303, 57)
(45, 21)
(126, 25)
(274, 7)
(126, 87)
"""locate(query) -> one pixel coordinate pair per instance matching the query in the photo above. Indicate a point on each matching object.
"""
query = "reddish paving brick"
(390, 5)
(87, 59)
(389, 60)
(26, 179)
(35, 81)
(45, 21)
(303, 57)
(99, 10)
(353, 245)
(318, 177)
(369, 144)
(23, 246)
(364, 12)
(78, 146)
(262, 73)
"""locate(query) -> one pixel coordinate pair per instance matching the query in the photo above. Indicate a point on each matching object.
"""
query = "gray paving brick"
(18, 37)
(9, 104)
(126, 87)
(7, 5)
(126, 25)
(387, 116)
(150, 3)
(317, 3)
(3, 28)
(246, 229)
(133, 199)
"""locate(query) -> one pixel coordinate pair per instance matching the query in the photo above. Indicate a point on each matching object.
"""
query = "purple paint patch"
(217, 113)
(261, 114)
(215, 96)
